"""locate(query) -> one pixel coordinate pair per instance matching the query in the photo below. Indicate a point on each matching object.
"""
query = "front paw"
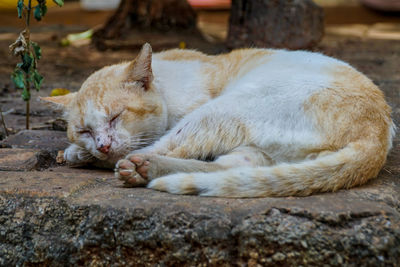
(133, 170)
(76, 156)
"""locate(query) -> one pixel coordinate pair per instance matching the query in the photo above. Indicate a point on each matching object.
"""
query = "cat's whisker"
(139, 143)
(134, 147)
(87, 157)
(149, 139)
(142, 137)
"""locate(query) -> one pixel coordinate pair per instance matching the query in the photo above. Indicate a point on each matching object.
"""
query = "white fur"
(181, 85)
(269, 99)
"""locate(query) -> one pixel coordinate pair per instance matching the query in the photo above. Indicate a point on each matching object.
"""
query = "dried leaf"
(60, 157)
(182, 45)
(19, 47)
(59, 2)
(59, 91)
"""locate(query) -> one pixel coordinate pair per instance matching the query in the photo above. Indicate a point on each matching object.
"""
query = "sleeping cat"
(251, 123)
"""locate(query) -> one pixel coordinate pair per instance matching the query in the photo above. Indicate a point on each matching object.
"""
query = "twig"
(4, 123)
(28, 48)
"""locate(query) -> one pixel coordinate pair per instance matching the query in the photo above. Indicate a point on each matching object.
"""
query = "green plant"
(25, 73)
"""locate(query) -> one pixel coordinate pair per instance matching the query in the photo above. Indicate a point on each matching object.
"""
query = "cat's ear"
(139, 70)
(58, 102)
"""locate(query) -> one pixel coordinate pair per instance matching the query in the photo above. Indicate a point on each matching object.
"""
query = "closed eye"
(87, 132)
(114, 119)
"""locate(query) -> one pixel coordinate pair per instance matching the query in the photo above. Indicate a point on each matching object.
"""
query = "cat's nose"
(104, 148)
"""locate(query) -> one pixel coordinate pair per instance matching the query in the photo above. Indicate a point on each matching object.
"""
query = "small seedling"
(25, 73)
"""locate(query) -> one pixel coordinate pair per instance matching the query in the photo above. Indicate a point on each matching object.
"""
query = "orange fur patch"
(188, 186)
(228, 67)
(183, 54)
(141, 112)
(221, 69)
(353, 112)
(331, 109)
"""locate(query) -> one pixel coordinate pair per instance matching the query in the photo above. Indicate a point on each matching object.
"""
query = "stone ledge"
(24, 159)
(50, 141)
(55, 182)
(67, 216)
(51, 231)
(70, 216)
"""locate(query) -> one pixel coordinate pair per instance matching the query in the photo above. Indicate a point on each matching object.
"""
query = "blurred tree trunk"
(132, 22)
(293, 24)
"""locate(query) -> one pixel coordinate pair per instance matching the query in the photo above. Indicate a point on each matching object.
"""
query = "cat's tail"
(350, 166)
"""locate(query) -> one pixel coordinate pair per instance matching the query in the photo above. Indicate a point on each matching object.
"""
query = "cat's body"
(272, 122)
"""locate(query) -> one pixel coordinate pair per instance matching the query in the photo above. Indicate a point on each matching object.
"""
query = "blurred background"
(81, 37)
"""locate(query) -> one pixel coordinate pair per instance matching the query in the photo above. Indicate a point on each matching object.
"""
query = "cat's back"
(295, 74)
(279, 67)
(269, 70)
(260, 71)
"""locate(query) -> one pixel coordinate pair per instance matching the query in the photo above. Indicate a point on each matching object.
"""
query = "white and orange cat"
(251, 123)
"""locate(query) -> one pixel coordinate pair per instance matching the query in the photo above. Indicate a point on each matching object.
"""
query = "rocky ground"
(51, 214)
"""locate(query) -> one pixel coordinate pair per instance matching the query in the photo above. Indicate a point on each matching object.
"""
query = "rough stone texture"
(19, 159)
(86, 218)
(60, 181)
(31, 150)
(293, 24)
(58, 124)
(50, 141)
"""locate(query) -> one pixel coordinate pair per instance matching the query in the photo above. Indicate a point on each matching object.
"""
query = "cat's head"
(116, 110)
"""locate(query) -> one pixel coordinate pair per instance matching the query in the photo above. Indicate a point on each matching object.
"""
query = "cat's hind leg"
(139, 169)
